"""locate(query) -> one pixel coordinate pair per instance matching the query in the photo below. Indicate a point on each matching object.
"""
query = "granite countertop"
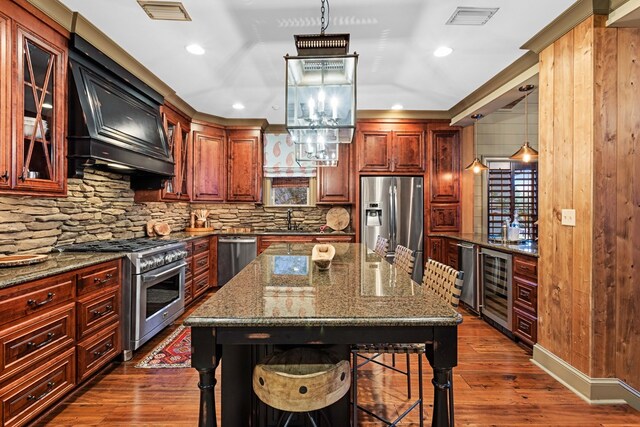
(530, 249)
(282, 287)
(56, 263)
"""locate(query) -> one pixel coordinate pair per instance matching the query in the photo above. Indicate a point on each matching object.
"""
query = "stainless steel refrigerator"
(392, 206)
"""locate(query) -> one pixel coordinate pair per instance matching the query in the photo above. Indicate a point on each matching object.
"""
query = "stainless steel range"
(152, 287)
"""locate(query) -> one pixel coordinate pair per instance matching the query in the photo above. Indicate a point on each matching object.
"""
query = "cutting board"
(338, 218)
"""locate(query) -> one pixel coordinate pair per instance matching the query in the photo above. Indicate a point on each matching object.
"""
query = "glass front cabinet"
(33, 107)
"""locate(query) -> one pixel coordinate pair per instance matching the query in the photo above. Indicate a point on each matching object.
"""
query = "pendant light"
(320, 92)
(476, 166)
(526, 153)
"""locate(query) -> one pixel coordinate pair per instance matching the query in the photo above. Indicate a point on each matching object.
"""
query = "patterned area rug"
(173, 352)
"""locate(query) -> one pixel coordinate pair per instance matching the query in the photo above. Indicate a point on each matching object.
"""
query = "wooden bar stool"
(301, 380)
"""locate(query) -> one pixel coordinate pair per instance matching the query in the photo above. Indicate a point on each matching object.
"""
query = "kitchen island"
(281, 298)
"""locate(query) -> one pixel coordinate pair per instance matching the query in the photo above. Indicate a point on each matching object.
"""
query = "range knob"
(144, 265)
(169, 258)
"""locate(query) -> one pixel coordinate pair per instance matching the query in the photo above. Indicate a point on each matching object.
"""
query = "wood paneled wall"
(589, 287)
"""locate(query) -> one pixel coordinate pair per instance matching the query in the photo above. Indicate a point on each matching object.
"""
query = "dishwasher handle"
(466, 245)
(237, 240)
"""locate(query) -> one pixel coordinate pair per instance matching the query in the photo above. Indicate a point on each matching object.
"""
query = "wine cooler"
(495, 276)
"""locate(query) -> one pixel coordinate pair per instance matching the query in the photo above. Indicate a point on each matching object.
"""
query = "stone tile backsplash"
(100, 206)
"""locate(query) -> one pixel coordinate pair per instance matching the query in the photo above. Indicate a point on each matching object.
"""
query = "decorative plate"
(17, 260)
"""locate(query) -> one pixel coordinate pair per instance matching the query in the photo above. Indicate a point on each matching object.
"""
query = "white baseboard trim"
(600, 391)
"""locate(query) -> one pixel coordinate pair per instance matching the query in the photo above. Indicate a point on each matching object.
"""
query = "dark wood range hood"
(114, 120)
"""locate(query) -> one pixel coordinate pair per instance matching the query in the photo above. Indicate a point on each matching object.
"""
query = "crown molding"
(626, 15)
(564, 23)
(509, 78)
(404, 114)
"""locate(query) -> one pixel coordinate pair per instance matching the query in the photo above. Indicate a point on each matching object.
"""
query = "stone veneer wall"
(100, 206)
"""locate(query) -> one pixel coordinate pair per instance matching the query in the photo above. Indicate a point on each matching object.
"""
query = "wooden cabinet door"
(335, 184)
(445, 166)
(434, 248)
(177, 129)
(374, 150)
(39, 97)
(244, 182)
(5, 103)
(408, 151)
(209, 172)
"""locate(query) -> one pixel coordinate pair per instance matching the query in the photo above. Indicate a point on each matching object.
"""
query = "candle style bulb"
(334, 107)
(321, 98)
(312, 107)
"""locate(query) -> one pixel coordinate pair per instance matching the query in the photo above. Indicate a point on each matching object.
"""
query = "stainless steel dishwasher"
(469, 265)
(234, 253)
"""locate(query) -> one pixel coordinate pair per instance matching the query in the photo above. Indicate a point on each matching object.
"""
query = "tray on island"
(18, 260)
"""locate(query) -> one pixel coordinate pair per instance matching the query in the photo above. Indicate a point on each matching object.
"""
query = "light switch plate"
(569, 217)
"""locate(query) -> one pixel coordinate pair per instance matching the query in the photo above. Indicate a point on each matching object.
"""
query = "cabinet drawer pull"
(107, 347)
(97, 313)
(50, 386)
(99, 281)
(35, 303)
(5, 177)
(31, 346)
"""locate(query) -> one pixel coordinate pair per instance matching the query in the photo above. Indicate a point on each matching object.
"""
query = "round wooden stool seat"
(301, 380)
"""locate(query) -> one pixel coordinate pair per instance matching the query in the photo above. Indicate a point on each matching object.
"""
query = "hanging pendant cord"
(324, 24)
(526, 119)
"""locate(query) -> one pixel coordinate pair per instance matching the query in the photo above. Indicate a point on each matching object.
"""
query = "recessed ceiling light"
(47, 105)
(195, 49)
(442, 51)
(238, 106)
(397, 107)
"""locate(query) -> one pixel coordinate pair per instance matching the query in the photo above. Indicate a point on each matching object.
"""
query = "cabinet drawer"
(35, 297)
(100, 277)
(200, 246)
(36, 339)
(200, 263)
(525, 266)
(23, 400)
(97, 311)
(97, 351)
(200, 284)
(525, 295)
(189, 249)
(525, 326)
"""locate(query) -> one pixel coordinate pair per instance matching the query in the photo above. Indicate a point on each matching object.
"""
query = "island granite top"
(530, 248)
(283, 287)
(56, 263)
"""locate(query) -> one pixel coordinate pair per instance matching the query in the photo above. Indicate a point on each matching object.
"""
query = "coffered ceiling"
(245, 41)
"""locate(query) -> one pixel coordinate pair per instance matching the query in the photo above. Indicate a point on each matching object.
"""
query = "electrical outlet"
(569, 217)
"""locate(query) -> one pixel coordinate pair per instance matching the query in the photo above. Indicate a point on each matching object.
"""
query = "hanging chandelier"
(476, 166)
(321, 93)
(526, 153)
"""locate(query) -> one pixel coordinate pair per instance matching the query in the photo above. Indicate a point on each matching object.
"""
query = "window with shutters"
(512, 187)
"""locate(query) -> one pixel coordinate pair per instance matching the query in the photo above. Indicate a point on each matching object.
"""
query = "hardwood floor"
(495, 385)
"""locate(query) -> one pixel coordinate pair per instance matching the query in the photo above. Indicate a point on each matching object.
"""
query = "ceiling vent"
(165, 10)
(471, 15)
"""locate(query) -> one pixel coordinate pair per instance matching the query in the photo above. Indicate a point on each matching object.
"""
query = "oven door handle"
(153, 277)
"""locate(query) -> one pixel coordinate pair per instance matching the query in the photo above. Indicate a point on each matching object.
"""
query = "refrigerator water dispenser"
(374, 215)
